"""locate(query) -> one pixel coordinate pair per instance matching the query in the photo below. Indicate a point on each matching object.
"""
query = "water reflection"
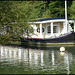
(36, 60)
(53, 59)
(66, 61)
(62, 53)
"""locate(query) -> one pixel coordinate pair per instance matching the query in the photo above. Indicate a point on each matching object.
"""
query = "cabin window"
(48, 29)
(54, 29)
(38, 30)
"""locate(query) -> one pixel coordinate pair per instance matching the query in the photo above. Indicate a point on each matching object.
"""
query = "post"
(51, 28)
(40, 30)
(59, 28)
(66, 15)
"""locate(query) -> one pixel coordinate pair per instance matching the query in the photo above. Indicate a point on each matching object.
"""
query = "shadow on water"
(32, 44)
(42, 46)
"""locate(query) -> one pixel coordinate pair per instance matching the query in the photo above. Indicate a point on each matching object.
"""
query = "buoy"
(62, 49)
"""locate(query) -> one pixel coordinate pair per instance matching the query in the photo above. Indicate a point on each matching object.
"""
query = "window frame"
(47, 29)
(55, 29)
(50, 28)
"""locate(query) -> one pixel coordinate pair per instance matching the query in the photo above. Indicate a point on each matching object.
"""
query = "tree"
(56, 8)
(4, 14)
(14, 17)
(72, 10)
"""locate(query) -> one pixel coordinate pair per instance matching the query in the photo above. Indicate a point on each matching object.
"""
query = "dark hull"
(69, 37)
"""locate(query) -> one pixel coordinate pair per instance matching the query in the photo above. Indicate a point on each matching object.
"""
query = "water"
(18, 60)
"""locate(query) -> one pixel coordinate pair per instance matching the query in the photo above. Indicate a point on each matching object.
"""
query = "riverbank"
(53, 44)
(6, 40)
(18, 43)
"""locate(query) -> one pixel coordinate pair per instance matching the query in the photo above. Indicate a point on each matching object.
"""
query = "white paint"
(69, 28)
(51, 28)
(41, 30)
(64, 28)
(49, 21)
(66, 15)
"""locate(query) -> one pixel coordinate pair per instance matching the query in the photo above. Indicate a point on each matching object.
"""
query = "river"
(21, 60)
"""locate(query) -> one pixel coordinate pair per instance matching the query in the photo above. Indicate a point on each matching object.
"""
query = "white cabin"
(51, 27)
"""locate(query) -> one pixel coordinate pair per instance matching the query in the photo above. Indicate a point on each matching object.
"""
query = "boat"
(49, 27)
(51, 31)
(66, 38)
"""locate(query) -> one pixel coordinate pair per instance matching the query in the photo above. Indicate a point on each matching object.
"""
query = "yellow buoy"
(62, 49)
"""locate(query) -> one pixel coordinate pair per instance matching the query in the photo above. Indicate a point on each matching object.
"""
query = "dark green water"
(18, 60)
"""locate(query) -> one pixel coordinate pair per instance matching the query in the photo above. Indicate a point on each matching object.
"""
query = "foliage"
(15, 15)
(72, 10)
(5, 39)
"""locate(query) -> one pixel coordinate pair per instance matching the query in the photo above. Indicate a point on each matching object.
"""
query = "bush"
(7, 39)
(4, 39)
